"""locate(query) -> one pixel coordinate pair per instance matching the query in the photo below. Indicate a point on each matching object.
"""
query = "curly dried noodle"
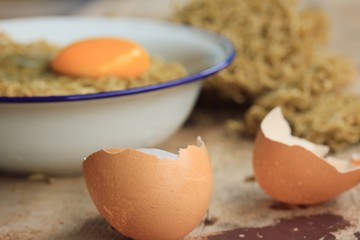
(281, 60)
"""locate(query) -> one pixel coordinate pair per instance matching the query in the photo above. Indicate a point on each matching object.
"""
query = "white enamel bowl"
(53, 134)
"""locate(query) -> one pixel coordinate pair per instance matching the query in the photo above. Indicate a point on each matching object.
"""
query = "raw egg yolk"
(101, 57)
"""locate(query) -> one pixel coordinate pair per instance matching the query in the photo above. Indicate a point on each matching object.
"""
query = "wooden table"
(61, 208)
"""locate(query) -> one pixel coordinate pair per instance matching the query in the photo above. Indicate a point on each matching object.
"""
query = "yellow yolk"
(101, 57)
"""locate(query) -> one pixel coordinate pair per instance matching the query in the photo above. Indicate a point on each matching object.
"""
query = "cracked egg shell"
(295, 171)
(150, 193)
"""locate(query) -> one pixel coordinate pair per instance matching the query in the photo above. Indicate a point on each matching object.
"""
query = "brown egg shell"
(145, 197)
(295, 175)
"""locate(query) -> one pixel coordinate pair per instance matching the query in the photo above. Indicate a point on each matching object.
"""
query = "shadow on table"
(92, 229)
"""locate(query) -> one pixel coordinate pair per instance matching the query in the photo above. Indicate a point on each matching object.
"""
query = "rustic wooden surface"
(61, 208)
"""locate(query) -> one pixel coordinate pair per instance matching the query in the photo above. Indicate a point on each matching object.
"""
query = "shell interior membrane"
(161, 154)
(276, 128)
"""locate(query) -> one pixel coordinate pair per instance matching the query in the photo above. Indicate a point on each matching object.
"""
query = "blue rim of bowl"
(117, 93)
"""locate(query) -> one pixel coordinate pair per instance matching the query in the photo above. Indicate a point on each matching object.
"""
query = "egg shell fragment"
(293, 170)
(145, 197)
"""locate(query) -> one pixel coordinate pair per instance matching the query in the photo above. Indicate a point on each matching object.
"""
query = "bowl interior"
(195, 48)
(201, 52)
